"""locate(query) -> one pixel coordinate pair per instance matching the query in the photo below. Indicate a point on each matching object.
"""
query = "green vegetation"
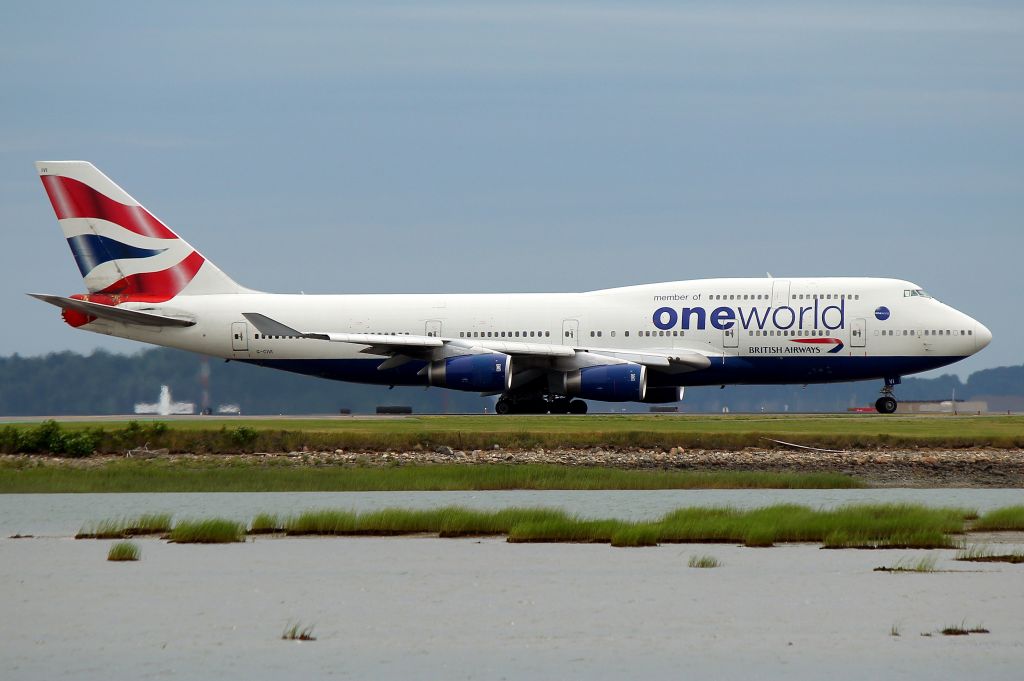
(211, 531)
(923, 564)
(983, 554)
(297, 632)
(50, 438)
(888, 525)
(854, 526)
(703, 562)
(894, 630)
(517, 432)
(235, 475)
(147, 523)
(265, 523)
(124, 551)
(1008, 518)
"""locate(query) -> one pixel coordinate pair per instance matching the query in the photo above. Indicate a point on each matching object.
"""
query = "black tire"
(559, 407)
(886, 405)
(503, 407)
(577, 407)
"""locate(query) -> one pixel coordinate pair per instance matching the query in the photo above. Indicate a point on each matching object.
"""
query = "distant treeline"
(105, 383)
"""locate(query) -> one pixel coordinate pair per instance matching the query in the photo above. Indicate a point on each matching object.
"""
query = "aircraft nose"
(982, 336)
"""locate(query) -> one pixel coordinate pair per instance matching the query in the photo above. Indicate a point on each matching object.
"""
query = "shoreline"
(918, 468)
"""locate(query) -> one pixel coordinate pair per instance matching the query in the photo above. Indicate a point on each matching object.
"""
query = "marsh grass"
(963, 630)
(983, 554)
(855, 526)
(297, 632)
(266, 523)
(122, 528)
(124, 551)
(234, 475)
(923, 564)
(703, 562)
(871, 526)
(210, 531)
(1007, 518)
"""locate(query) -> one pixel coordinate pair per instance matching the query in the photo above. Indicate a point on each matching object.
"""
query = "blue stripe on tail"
(92, 250)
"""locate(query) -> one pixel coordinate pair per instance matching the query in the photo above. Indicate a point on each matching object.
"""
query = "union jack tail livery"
(121, 249)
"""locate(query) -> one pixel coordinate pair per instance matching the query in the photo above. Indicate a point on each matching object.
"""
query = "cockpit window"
(915, 292)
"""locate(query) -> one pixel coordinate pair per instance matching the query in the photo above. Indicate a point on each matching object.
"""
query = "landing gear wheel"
(560, 406)
(886, 404)
(503, 407)
(577, 407)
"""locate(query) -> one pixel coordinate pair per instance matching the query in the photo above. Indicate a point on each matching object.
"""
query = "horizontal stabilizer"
(115, 314)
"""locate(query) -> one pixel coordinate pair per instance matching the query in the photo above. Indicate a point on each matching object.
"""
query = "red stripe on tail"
(74, 199)
(159, 286)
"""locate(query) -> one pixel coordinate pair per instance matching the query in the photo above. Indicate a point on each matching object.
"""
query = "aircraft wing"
(116, 314)
(675, 362)
(400, 348)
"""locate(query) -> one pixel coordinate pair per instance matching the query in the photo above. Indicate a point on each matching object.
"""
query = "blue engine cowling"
(491, 373)
(608, 383)
(663, 394)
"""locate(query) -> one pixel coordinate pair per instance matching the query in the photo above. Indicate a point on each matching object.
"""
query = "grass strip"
(244, 476)
(118, 528)
(516, 432)
(984, 554)
(1007, 518)
(703, 562)
(872, 525)
(210, 531)
(124, 551)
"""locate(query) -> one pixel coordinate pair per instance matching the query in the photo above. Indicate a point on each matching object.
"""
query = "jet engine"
(608, 383)
(490, 373)
(662, 394)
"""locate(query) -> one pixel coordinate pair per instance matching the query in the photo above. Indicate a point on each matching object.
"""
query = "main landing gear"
(886, 404)
(539, 404)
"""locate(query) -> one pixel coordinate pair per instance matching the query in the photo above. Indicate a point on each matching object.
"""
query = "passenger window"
(626, 333)
(598, 334)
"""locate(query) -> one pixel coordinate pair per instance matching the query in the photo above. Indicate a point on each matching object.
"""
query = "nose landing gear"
(886, 404)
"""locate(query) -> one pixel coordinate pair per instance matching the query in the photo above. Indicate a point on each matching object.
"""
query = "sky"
(333, 147)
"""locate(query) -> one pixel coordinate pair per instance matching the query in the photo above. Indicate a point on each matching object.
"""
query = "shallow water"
(425, 608)
(64, 514)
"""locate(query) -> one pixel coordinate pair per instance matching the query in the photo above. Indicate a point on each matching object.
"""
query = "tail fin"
(120, 248)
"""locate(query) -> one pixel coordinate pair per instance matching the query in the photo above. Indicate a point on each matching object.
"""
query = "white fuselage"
(755, 330)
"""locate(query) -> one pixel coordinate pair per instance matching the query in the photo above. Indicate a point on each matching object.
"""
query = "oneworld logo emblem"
(881, 313)
(816, 316)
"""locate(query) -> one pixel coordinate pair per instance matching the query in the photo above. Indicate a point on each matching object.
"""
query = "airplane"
(538, 352)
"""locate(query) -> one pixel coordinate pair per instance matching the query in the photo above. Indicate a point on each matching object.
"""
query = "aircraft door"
(239, 336)
(433, 328)
(570, 332)
(730, 337)
(780, 292)
(858, 333)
